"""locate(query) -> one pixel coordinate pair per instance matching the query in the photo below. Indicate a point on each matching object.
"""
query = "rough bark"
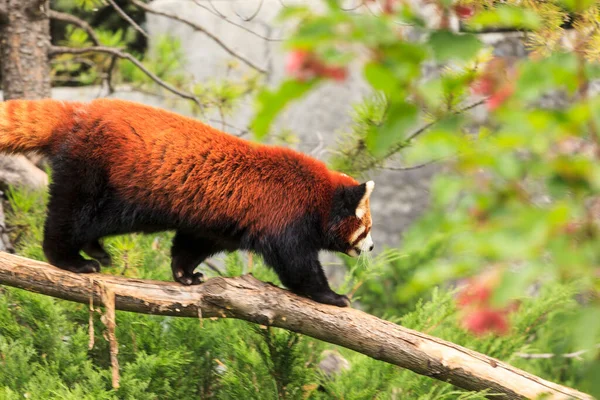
(24, 44)
(25, 40)
(249, 299)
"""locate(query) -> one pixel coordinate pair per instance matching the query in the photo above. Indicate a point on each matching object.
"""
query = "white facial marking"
(365, 244)
(361, 210)
(357, 233)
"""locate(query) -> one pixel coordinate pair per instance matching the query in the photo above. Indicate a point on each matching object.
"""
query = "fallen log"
(251, 300)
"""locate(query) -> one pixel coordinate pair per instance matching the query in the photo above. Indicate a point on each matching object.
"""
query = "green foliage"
(271, 103)
(163, 57)
(44, 342)
(521, 191)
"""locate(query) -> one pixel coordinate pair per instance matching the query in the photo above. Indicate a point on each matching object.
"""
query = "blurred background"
(477, 119)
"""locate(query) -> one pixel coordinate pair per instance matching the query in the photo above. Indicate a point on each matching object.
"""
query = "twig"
(413, 167)
(253, 15)
(425, 127)
(127, 18)
(71, 19)
(429, 125)
(56, 50)
(241, 132)
(576, 354)
(224, 18)
(249, 299)
(199, 28)
(109, 74)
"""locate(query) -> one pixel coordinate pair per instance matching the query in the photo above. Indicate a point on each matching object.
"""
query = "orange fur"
(30, 125)
(176, 164)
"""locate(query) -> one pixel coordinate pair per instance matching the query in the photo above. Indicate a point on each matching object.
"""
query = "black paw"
(187, 279)
(81, 267)
(332, 298)
(96, 251)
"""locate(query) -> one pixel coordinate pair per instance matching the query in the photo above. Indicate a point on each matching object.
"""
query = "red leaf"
(464, 12)
(499, 97)
(486, 320)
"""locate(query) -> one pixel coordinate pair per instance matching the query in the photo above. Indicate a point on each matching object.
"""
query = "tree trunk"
(25, 40)
(24, 44)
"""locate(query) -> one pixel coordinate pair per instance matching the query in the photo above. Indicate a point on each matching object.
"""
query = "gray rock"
(17, 170)
(332, 363)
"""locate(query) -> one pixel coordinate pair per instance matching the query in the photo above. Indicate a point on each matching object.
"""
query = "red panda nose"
(371, 248)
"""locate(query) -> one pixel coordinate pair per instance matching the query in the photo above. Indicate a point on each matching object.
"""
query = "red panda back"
(182, 166)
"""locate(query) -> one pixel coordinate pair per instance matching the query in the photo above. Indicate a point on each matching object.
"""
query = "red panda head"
(349, 227)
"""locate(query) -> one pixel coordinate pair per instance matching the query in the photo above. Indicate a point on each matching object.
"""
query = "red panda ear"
(354, 197)
(362, 207)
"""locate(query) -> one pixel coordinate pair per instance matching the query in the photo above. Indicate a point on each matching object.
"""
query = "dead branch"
(127, 18)
(413, 167)
(71, 19)
(56, 50)
(249, 299)
(224, 18)
(201, 29)
(576, 354)
(109, 73)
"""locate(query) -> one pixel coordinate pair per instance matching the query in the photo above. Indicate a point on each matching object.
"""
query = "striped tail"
(30, 125)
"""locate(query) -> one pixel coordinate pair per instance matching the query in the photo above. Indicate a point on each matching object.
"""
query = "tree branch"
(249, 299)
(55, 50)
(71, 19)
(199, 28)
(224, 18)
(127, 18)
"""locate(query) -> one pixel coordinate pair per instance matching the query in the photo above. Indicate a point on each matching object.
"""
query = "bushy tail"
(31, 125)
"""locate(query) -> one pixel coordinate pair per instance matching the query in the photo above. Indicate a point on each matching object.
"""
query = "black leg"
(303, 275)
(95, 250)
(187, 253)
(62, 247)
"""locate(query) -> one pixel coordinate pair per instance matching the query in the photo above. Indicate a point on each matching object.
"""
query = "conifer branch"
(249, 299)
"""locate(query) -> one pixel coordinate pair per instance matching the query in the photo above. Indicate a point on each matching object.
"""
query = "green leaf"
(380, 77)
(400, 117)
(536, 78)
(447, 45)
(577, 5)
(587, 329)
(293, 11)
(513, 284)
(271, 103)
(592, 383)
(506, 16)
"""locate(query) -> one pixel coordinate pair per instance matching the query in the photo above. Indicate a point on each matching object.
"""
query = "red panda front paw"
(332, 298)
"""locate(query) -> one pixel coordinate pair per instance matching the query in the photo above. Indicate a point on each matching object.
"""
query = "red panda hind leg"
(63, 252)
(187, 253)
(95, 250)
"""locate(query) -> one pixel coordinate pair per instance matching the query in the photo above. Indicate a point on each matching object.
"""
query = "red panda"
(121, 167)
